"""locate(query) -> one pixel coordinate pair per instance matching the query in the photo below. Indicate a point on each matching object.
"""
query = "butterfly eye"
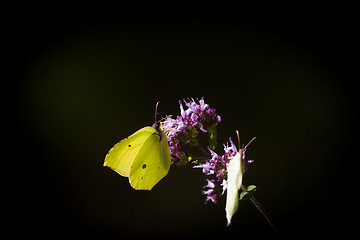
(144, 166)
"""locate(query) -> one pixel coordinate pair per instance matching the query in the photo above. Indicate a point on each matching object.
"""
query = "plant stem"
(203, 150)
(262, 211)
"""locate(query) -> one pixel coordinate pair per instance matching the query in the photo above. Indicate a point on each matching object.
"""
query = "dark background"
(85, 80)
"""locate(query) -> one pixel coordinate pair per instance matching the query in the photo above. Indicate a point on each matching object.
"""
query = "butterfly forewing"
(121, 157)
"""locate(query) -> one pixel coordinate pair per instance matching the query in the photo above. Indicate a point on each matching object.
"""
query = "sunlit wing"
(151, 163)
(121, 157)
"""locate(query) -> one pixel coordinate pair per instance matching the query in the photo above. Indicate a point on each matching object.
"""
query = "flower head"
(183, 131)
(216, 169)
(197, 117)
(210, 191)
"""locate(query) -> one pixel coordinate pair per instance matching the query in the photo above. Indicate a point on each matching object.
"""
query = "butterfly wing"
(151, 163)
(121, 157)
(235, 171)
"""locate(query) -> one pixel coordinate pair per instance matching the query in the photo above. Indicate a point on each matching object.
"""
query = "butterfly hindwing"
(235, 171)
(151, 163)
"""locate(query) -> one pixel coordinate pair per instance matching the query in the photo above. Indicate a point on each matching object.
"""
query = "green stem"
(262, 211)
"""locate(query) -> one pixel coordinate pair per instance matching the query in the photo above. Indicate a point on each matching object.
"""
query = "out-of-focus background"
(84, 82)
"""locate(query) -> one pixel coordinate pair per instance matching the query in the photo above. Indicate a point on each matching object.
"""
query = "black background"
(84, 80)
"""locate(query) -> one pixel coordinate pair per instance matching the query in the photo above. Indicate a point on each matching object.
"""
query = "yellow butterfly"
(144, 157)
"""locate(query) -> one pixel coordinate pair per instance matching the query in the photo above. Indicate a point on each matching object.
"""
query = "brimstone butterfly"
(143, 157)
(235, 171)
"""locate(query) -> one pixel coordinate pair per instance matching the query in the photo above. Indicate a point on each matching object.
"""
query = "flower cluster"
(216, 169)
(183, 136)
(183, 131)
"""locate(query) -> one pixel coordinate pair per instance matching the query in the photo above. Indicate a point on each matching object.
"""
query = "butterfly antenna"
(249, 142)
(156, 107)
(238, 136)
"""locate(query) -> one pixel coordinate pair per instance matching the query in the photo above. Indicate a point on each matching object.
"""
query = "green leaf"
(213, 139)
(244, 195)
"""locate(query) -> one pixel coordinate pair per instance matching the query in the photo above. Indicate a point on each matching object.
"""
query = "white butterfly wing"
(235, 171)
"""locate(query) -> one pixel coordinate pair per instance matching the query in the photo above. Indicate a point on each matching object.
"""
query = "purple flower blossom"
(183, 131)
(206, 167)
(216, 166)
(210, 191)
